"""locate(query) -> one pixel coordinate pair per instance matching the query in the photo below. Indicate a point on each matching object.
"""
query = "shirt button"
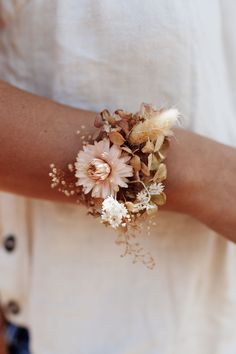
(9, 243)
(12, 308)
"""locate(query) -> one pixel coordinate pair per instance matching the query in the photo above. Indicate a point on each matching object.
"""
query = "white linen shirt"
(64, 274)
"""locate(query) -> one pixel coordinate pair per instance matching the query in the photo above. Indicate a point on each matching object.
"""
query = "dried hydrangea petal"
(127, 149)
(148, 147)
(161, 173)
(155, 163)
(123, 114)
(132, 207)
(124, 125)
(159, 199)
(145, 169)
(98, 122)
(105, 114)
(150, 161)
(116, 138)
(151, 209)
(147, 109)
(135, 162)
(164, 148)
(159, 142)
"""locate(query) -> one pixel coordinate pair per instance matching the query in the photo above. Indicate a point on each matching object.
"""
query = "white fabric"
(76, 295)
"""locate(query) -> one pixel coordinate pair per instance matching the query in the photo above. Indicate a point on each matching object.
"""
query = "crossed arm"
(35, 132)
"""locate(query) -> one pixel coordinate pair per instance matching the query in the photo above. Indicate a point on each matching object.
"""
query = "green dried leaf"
(152, 210)
(131, 207)
(155, 163)
(161, 173)
(148, 147)
(159, 199)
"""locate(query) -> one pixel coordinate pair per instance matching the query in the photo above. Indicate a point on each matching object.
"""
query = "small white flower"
(139, 207)
(143, 200)
(143, 197)
(113, 212)
(108, 203)
(156, 188)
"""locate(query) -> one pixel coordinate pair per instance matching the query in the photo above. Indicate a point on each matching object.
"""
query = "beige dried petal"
(165, 146)
(155, 163)
(159, 142)
(145, 169)
(116, 129)
(108, 117)
(98, 122)
(123, 114)
(105, 114)
(150, 161)
(124, 125)
(131, 207)
(159, 199)
(148, 147)
(162, 157)
(143, 131)
(127, 149)
(116, 138)
(96, 134)
(111, 120)
(135, 162)
(147, 109)
(161, 173)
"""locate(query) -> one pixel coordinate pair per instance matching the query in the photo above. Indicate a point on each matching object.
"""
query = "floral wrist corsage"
(119, 173)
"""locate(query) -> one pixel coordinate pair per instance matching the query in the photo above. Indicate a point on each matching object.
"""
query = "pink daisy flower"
(101, 169)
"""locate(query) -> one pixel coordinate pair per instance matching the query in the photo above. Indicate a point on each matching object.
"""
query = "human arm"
(201, 181)
(2, 333)
(36, 132)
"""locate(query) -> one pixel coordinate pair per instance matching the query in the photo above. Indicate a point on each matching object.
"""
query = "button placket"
(9, 243)
(12, 308)
(13, 257)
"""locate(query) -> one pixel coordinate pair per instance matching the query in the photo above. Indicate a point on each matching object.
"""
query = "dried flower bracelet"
(119, 173)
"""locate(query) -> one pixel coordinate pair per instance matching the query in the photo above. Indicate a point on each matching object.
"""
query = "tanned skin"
(35, 131)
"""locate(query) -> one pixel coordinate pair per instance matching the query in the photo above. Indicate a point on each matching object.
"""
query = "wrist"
(185, 180)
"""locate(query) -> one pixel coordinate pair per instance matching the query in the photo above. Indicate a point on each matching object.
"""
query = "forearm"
(34, 133)
(201, 181)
